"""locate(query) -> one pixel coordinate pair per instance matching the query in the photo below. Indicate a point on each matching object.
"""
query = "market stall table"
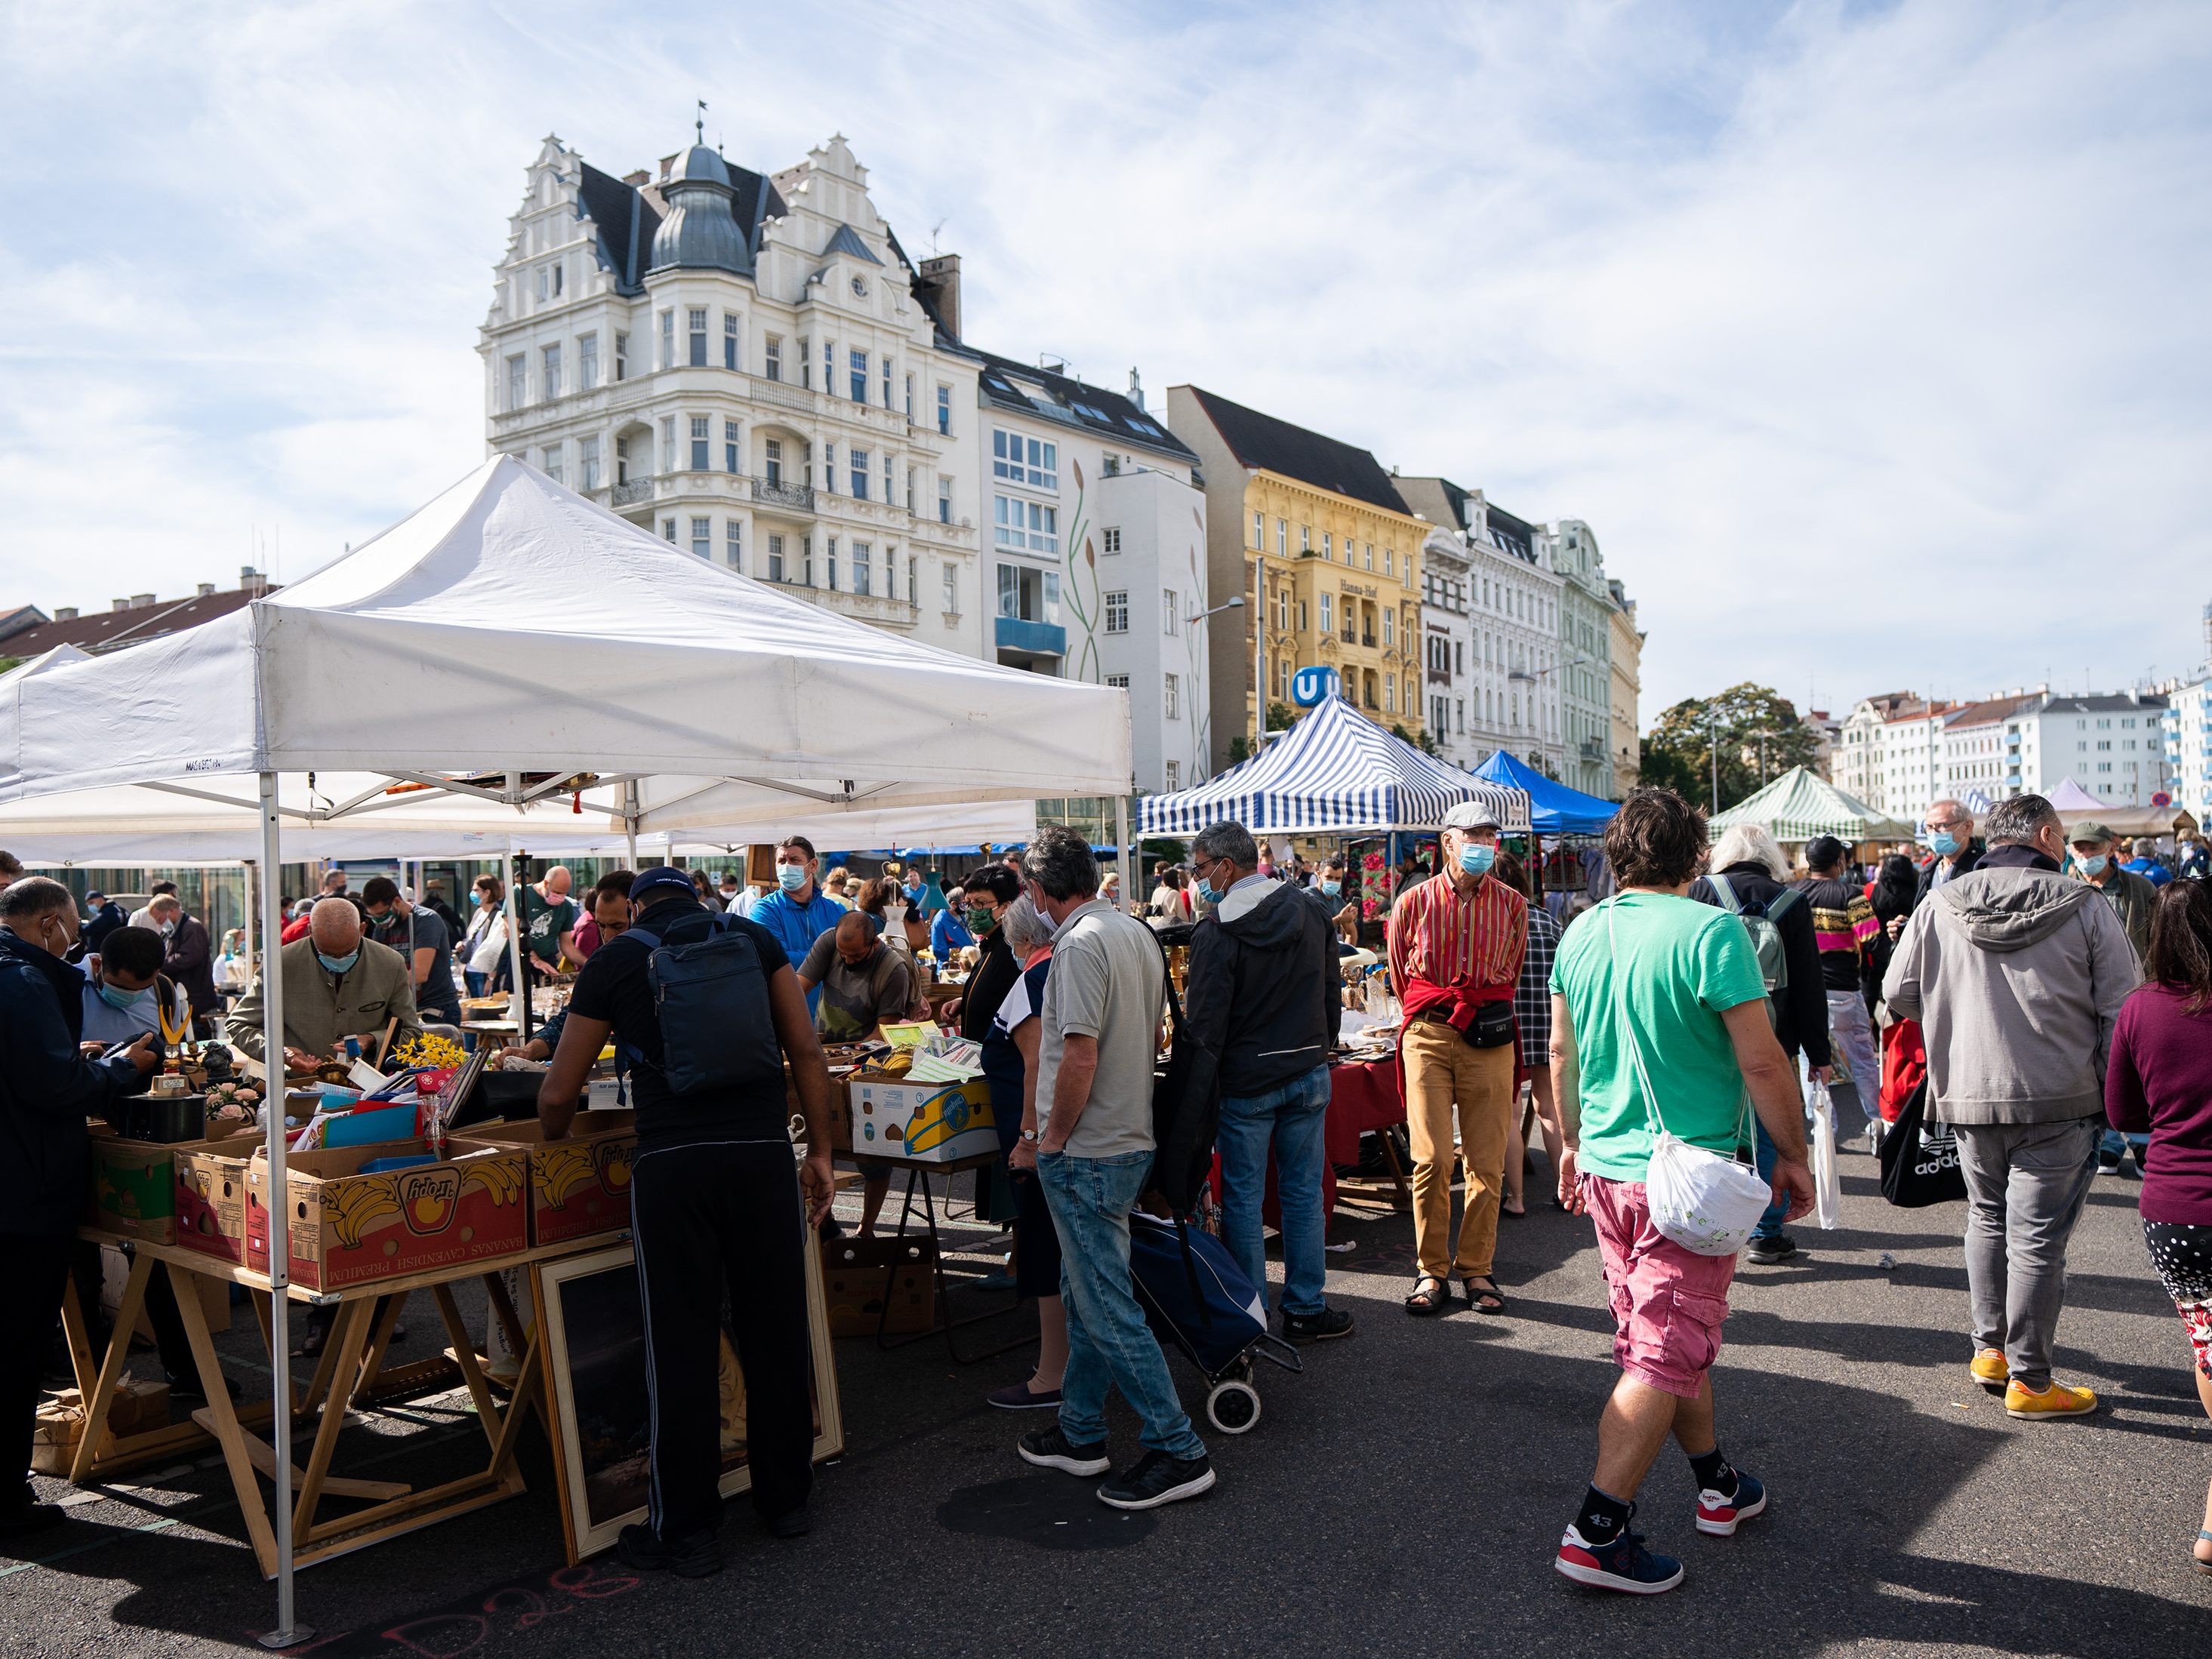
(918, 1171)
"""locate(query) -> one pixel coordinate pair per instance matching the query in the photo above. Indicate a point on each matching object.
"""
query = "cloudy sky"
(1871, 339)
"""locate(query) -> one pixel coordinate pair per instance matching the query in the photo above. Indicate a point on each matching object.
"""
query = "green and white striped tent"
(1801, 804)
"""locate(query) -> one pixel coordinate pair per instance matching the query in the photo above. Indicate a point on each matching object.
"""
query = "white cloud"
(1870, 339)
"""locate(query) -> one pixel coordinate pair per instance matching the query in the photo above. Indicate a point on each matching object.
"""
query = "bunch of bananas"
(500, 1176)
(427, 1049)
(355, 1204)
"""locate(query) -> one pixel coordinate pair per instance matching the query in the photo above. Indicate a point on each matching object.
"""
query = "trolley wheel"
(1233, 1407)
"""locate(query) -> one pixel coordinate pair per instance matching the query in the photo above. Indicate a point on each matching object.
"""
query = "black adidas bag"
(1920, 1163)
(711, 997)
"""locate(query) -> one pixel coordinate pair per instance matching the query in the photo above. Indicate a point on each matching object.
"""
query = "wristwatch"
(1029, 1135)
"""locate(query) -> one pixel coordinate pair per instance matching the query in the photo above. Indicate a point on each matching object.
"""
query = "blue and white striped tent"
(1336, 772)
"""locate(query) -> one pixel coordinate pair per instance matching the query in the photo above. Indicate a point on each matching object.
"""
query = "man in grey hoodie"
(2016, 974)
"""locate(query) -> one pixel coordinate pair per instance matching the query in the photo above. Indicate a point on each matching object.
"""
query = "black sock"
(1602, 1517)
(1713, 1472)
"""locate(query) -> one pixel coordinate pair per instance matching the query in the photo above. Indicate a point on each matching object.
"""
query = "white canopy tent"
(508, 645)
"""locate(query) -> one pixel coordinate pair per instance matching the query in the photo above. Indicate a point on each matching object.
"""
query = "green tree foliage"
(1760, 737)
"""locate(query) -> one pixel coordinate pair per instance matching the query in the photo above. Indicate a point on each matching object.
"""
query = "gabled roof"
(848, 240)
(110, 630)
(1075, 403)
(1987, 712)
(1264, 443)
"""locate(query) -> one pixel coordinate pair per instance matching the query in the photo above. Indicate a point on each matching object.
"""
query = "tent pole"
(252, 902)
(629, 820)
(1122, 853)
(288, 1632)
(518, 962)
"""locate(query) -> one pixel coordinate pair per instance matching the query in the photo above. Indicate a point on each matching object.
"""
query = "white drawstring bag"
(1705, 1203)
(1827, 1184)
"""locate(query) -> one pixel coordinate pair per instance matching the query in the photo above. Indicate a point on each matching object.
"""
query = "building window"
(1388, 618)
(909, 397)
(697, 317)
(1116, 606)
(518, 382)
(587, 462)
(1259, 531)
(1118, 682)
(1170, 618)
(887, 479)
(1175, 775)
(856, 461)
(859, 376)
(557, 472)
(863, 575)
(1027, 594)
(733, 544)
(1388, 559)
(1111, 536)
(1328, 549)
(732, 449)
(772, 357)
(668, 339)
(1031, 524)
(699, 444)
(1019, 460)
(1282, 538)
(944, 409)
(952, 598)
(588, 361)
(829, 366)
(829, 468)
(1326, 625)
(831, 554)
(944, 498)
(702, 538)
(729, 339)
(776, 558)
(887, 380)
(668, 445)
(622, 357)
(805, 361)
(1305, 538)
(913, 582)
(772, 462)
(1390, 694)
(1170, 698)
(668, 530)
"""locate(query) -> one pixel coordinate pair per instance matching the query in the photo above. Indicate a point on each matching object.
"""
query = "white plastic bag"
(1828, 1186)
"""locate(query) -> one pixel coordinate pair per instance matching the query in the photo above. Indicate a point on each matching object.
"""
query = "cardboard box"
(139, 1405)
(134, 1185)
(859, 1274)
(578, 1186)
(925, 1122)
(346, 1228)
(211, 1197)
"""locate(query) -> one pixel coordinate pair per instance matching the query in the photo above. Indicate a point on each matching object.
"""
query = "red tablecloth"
(1362, 1096)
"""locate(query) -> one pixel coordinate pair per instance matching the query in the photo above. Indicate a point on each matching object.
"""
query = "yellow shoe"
(2056, 1400)
(1990, 1369)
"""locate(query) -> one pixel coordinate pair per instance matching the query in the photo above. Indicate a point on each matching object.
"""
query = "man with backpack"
(710, 1009)
(1264, 997)
(1746, 877)
(1843, 929)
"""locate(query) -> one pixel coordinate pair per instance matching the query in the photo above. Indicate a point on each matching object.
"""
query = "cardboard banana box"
(578, 1185)
(134, 1185)
(347, 1228)
(210, 1196)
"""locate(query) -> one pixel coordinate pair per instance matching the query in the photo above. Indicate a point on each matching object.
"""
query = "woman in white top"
(483, 947)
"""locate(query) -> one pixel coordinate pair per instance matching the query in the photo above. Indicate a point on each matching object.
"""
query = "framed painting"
(594, 1347)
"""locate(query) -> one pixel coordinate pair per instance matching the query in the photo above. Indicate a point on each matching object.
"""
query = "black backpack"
(717, 1032)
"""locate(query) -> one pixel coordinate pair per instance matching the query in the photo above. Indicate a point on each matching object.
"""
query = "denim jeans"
(1109, 1344)
(474, 981)
(1292, 1119)
(1767, 1156)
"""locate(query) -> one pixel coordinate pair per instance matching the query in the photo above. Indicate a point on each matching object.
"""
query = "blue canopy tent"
(1553, 809)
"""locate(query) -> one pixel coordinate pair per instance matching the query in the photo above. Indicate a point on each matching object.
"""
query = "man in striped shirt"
(1455, 946)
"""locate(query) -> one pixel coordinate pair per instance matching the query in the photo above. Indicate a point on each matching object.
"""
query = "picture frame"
(593, 1341)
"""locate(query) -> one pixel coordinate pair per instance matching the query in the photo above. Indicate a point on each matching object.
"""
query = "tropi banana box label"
(348, 1228)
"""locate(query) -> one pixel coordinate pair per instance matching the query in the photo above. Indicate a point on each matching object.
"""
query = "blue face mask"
(1476, 858)
(1332, 887)
(791, 877)
(1944, 843)
(340, 965)
(119, 998)
(2090, 866)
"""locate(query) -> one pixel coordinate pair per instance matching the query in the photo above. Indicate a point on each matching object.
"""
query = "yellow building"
(1339, 550)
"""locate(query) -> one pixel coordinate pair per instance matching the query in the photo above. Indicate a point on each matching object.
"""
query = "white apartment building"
(1098, 554)
(2111, 744)
(1491, 630)
(1974, 745)
(2189, 747)
(1859, 759)
(1585, 635)
(752, 367)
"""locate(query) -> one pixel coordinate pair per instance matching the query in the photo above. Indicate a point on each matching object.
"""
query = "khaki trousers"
(1444, 1071)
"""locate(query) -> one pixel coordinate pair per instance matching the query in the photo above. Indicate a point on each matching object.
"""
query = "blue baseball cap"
(660, 875)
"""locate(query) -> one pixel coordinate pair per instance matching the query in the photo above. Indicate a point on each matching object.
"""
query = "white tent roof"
(510, 625)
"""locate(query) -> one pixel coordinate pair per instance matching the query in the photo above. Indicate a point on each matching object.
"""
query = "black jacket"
(1801, 1006)
(1263, 994)
(190, 963)
(1969, 860)
(105, 920)
(46, 1091)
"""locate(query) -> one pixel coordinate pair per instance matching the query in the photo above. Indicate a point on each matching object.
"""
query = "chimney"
(941, 275)
(1136, 391)
(65, 613)
(250, 580)
(635, 179)
(118, 604)
(667, 165)
(205, 588)
(141, 601)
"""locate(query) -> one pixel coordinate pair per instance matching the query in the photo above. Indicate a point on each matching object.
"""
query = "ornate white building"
(1585, 638)
(751, 367)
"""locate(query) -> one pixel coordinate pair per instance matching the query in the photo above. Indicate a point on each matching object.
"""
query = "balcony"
(1038, 639)
(631, 493)
(797, 497)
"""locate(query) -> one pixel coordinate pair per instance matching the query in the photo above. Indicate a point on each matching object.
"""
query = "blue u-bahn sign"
(1312, 686)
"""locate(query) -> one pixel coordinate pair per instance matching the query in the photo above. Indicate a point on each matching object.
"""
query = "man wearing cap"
(1844, 927)
(2095, 860)
(107, 916)
(715, 1209)
(1455, 946)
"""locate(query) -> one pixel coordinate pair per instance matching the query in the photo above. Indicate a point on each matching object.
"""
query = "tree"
(1759, 737)
(1427, 743)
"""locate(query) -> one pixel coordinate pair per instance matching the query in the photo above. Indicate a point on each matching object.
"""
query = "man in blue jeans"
(1094, 1150)
(1262, 1008)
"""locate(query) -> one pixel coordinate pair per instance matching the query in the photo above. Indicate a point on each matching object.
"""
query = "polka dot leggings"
(2181, 1253)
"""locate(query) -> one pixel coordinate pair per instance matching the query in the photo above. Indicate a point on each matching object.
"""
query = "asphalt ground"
(1402, 1497)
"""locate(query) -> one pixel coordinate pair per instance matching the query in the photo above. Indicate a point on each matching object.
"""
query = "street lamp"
(1237, 603)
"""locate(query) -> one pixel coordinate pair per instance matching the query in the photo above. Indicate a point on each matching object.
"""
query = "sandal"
(1512, 1215)
(1489, 1301)
(1431, 1296)
(2196, 1560)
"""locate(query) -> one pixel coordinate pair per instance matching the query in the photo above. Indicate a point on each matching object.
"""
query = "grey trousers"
(2025, 1184)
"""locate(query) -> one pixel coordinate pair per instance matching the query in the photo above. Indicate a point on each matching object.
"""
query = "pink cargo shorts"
(1667, 1302)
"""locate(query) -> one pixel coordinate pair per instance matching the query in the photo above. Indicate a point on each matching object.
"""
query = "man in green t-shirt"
(1680, 982)
(548, 918)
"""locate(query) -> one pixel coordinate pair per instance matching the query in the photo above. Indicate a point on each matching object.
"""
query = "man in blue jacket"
(47, 1090)
(797, 912)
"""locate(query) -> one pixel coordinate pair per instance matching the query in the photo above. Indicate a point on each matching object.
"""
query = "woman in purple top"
(2160, 1079)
